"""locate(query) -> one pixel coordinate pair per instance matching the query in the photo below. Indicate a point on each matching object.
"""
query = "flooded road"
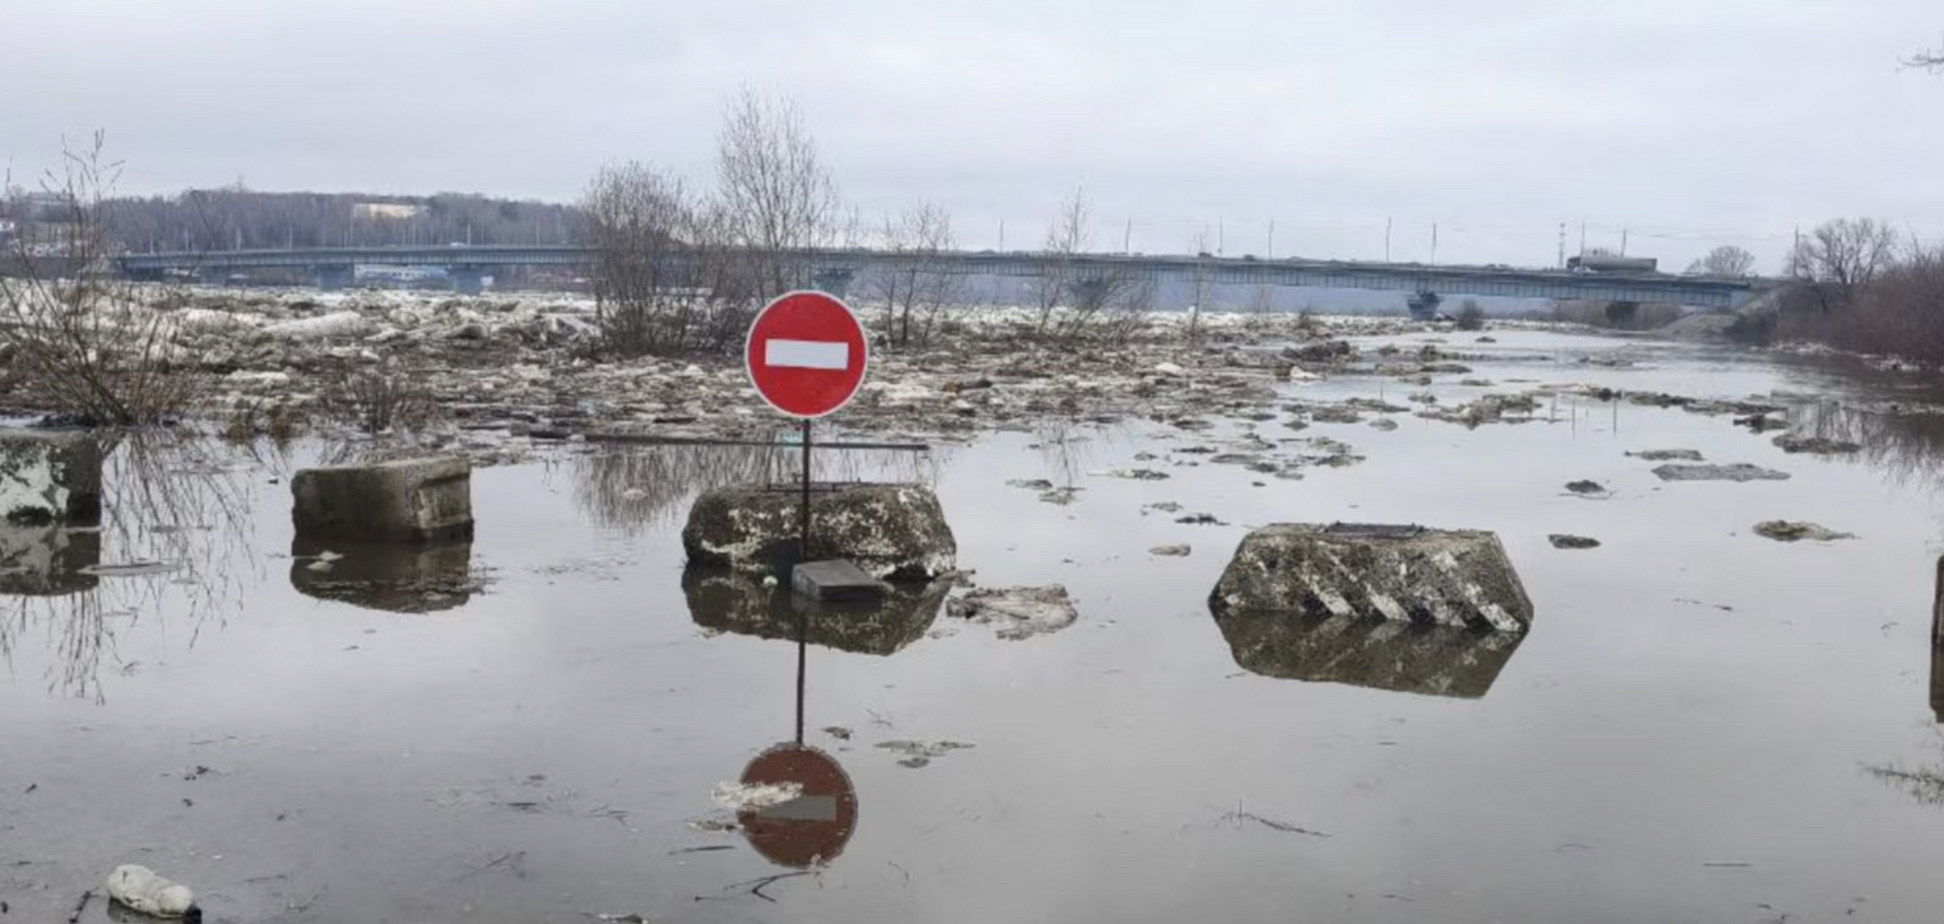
(1703, 724)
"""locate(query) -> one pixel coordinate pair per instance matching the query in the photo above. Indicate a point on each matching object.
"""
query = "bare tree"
(1843, 256)
(916, 282)
(775, 196)
(1726, 260)
(1066, 238)
(637, 220)
(78, 339)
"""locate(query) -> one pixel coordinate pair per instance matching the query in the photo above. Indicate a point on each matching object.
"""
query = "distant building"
(385, 211)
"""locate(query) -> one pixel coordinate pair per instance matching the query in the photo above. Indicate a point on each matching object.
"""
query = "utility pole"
(1221, 238)
(1562, 246)
(1623, 240)
(1002, 235)
(1271, 252)
(1387, 233)
(1582, 249)
(1127, 238)
(1434, 243)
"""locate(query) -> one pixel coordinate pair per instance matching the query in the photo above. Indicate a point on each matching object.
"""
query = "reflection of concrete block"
(891, 531)
(836, 582)
(50, 476)
(1405, 573)
(47, 560)
(731, 601)
(1378, 653)
(399, 578)
(411, 500)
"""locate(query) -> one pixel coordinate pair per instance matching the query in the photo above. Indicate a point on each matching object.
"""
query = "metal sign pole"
(803, 522)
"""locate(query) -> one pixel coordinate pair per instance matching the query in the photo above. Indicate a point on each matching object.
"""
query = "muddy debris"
(1383, 424)
(1335, 414)
(919, 754)
(1485, 410)
(1137, 474)
(1565, 541)
(1017, 613)
(1061, 497)
(1793, 443)
(1171, 551)
(1668, 455)
(1793, 531)
(1738, 472)
(1761, 423)
(1588, 489)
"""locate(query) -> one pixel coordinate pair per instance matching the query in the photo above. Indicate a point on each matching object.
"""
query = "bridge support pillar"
(335, 277)
(468, 280)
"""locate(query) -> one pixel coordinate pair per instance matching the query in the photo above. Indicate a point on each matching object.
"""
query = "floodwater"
(1701, 725)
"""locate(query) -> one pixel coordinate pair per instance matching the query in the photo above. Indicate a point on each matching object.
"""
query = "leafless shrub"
(81, 341)
(916, 283)
(1900, 312)
(378, 399)
(1617, 315)
(1471, 316)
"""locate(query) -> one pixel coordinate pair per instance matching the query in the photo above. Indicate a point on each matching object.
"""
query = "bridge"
(334, 267)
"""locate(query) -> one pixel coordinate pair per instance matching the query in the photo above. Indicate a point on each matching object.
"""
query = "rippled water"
(1702, 725)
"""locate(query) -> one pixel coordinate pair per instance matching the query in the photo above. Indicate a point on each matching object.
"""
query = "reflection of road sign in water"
(806, 354)
(811, 829)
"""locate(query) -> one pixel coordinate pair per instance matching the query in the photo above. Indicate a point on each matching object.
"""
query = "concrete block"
(892, 531)
(836, 581)
(1406, 573)
(50, 476)
(409, 500)
(393, 577)
(725, 600)
(1381, 654)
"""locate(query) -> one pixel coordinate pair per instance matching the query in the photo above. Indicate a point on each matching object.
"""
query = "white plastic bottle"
(140, 889)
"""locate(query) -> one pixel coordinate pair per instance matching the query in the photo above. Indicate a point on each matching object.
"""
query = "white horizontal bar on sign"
(806, 354)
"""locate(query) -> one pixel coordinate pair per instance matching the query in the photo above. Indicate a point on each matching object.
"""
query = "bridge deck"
(1404, 277)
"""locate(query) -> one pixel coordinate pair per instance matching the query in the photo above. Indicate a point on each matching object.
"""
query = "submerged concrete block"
(50, 476)
(409, 500)
(892, 531)
(1381, 654)
(396, 578)
(733, 601)
(1407, 573)
(836, 582)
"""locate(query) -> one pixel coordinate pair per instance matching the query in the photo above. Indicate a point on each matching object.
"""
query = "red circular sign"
(806, 354)
(812, 829)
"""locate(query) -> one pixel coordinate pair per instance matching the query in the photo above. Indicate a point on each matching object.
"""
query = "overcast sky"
(1688, 122)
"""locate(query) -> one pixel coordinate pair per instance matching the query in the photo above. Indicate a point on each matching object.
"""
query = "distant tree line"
(238, 218)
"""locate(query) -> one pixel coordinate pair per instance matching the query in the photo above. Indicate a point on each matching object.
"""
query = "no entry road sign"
(806, 354)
